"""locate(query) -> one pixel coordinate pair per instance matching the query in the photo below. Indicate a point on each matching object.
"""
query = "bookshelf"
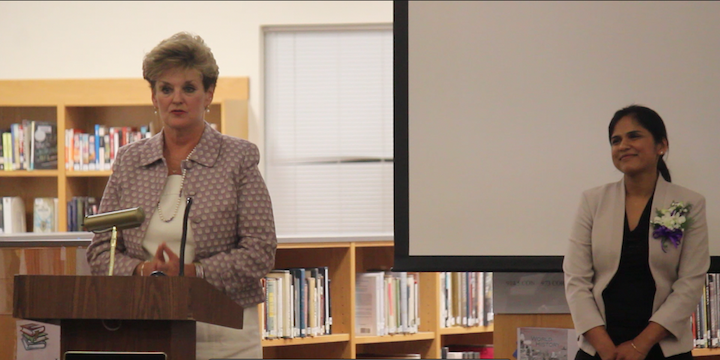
(342, 260)
(81, 104)
(345, 260)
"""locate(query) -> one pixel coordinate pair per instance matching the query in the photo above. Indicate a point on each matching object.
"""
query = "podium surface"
(125, 313)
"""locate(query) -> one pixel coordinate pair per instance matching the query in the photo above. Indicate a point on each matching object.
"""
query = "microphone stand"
(189, 202)
(113, 244)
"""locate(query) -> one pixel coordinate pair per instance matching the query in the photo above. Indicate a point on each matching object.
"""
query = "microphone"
(183, 239)
(121, 219)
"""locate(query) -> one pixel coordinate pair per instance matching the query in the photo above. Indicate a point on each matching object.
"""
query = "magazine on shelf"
(535, 343)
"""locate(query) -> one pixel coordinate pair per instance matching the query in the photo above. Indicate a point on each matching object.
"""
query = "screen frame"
(403, 261)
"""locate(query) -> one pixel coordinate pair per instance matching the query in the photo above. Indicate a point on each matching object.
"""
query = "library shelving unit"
(80, 104)
(345, 260)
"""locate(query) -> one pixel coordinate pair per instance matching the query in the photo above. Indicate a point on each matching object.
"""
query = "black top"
(629, 295)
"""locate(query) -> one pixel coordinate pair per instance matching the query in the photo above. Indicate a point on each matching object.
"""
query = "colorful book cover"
(37, 341)
(535, 343)
(44, 145)
(44, 215)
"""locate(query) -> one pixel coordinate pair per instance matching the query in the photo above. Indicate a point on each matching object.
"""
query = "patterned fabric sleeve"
(239, 271)
(98, 253)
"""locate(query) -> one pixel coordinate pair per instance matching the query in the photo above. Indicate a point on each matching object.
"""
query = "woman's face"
(634, 149)
(180, 99)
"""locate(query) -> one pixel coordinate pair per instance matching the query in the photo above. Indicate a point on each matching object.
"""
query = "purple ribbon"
(664, 233)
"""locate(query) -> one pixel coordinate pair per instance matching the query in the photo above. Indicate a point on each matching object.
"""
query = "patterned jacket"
(231, 216)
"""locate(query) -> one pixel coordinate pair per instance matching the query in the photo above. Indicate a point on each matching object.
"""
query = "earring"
(155, 111)
(207, 109)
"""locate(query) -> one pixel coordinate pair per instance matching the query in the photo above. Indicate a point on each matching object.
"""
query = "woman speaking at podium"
(638, 252)
(231, 238)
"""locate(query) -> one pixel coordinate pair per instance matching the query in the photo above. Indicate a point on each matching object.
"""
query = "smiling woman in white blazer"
(600, 240)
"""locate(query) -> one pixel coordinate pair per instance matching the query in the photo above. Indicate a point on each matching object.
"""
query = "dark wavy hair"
(652, 122)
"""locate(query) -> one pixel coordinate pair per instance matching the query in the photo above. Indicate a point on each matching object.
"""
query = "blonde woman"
(231, 238)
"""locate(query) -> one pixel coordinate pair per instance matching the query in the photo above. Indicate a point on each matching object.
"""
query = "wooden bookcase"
(82, 104)
(345, 260)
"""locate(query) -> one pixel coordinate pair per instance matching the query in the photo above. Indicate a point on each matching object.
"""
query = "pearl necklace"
(177, 203)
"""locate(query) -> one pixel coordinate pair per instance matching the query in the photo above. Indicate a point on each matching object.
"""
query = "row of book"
(386, 303)
(482, 351)
(297, 303)
(77, 208)
(45, 214)
(29, 145)
(88, 152)
(706, 318)
(466, 299)
(12, 215)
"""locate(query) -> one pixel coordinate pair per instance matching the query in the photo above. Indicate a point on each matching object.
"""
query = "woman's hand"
(171, 265)
(609, 353)
(602, 343)
(167, 261)
(626, 351)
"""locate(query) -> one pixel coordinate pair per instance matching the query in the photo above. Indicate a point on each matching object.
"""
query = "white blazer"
(593, 256)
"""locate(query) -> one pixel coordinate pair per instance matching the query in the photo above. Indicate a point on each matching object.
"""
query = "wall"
(55, 40)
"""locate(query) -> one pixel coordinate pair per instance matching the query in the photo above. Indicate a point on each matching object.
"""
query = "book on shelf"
(369, 304)
(44, 215)
(468, 351)
(706, 317)
(386, 302)
(44, 152)
(297, 303)
(284, 301)
(536, 343)
(77, 208)
(13, 212)
(7, 151)
(88, 152)
(465, 299)
(29, 145)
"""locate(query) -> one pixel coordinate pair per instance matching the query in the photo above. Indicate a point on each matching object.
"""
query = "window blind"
(329, 131)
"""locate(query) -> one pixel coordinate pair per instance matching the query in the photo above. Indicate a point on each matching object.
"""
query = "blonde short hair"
(182, 50)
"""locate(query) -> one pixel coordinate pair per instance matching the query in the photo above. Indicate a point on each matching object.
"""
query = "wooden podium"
(125, 313)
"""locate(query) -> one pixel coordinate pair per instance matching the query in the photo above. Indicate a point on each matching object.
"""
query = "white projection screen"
(502, 112)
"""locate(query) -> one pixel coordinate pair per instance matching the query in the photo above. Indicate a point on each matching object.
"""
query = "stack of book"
(706, 318)
(88, 152)
(386, 303)
(466, 299)
(29, 145)
(481, 351)
(33, 336)
(79, 207)
(297, 303)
